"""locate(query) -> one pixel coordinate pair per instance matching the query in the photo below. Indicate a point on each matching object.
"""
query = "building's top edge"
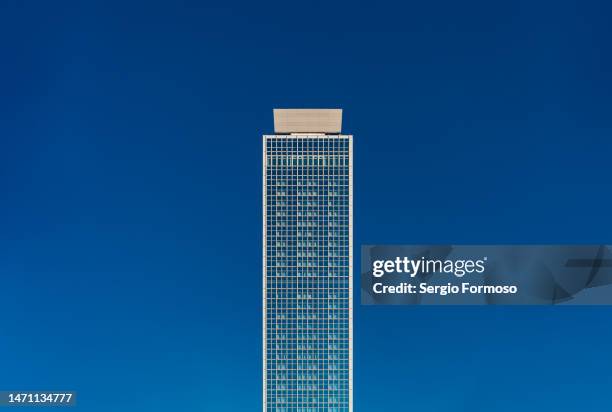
(306, 135)
(307, 121)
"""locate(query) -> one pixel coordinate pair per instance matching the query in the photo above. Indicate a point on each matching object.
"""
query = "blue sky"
(130, 191)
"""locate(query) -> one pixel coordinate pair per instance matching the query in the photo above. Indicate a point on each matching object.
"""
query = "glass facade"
(308, 310)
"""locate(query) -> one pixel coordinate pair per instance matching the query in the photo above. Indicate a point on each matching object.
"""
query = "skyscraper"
(307, 263)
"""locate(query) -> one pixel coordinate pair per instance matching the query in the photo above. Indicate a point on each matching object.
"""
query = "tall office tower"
(308, 269)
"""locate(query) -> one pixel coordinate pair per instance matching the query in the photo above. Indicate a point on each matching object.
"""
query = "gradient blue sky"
(130, 191)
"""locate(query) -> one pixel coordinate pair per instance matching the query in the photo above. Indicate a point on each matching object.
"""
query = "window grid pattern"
(307, 273)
